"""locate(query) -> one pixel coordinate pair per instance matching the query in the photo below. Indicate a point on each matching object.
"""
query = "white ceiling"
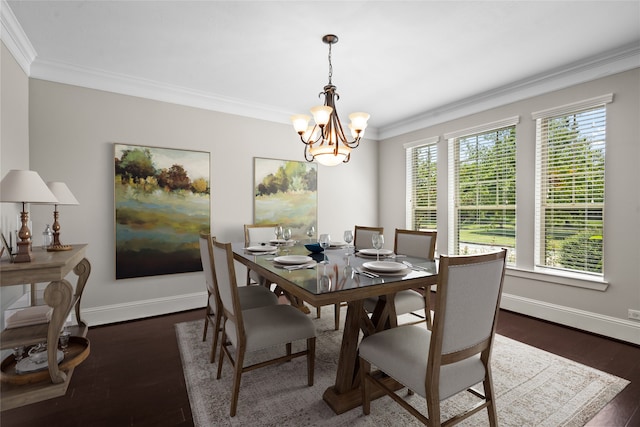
(398, 60)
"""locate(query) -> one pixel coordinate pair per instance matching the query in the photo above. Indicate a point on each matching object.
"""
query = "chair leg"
(289, 349)
(206, 323)
(317, 312)
(221, 356)
(337, 316)
(311, 359)
(237, 376)
(365, 368)
(216, 332)
(488, 394)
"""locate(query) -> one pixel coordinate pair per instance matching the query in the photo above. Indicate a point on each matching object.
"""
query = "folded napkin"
(29, 316)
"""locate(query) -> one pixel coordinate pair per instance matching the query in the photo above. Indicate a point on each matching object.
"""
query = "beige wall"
(72, 133)
(14, 146)
(542, 296)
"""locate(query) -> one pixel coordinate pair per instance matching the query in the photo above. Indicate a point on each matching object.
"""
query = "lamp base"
(24, 252)
(58, 248)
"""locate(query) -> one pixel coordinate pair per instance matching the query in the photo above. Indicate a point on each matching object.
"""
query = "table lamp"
(24, 186)
(65, 197)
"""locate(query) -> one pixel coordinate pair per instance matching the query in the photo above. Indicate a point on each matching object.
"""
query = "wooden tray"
(77, 351)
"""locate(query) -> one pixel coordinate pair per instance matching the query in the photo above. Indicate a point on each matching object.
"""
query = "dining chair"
(258, 233)
(361, 240)
(452, 357)
(419, 244)
(257, 328)
(362, 236)
(250, 296)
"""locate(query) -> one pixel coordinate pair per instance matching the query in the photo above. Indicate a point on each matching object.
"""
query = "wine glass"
(348, 237)
(278, 231)
(286, 235)
(325, 241)
(311, 231)
(378, 242)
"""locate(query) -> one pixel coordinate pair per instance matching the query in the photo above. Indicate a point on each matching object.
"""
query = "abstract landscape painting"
(161, 205)
(285, 193)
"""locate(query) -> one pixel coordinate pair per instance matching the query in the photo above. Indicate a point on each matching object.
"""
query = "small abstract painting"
(286, 193)
(161, 205)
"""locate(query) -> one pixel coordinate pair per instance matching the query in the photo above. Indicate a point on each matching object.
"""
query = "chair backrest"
(226, 281)
(258, 233)
(420, 244)
(207, 262)
(362, 236)
(468, 300)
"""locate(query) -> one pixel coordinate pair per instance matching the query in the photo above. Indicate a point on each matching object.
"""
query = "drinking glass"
(325, 241)
(286, 235)
(348, 237)
(378, 242)
(311, 231)
(278, 231)
(64, 340)
(18, 352)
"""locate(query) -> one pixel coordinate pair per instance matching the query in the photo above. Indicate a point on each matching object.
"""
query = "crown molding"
(609, 63)
(14, 37)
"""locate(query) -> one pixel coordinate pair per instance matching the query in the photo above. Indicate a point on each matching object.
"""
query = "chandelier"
(326, 141)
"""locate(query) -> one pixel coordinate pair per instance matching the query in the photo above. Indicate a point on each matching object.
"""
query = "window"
(422, 180)
(570, 172)
(482, 189)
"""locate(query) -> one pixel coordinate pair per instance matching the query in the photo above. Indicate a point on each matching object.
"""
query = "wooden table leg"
(345, 394)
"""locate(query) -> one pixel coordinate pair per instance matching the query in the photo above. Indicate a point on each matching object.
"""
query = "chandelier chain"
(330, 65)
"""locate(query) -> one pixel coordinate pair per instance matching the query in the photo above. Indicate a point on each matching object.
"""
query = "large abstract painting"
(285, 193)
(161, 205)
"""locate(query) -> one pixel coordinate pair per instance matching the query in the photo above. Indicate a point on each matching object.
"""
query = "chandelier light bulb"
(321, 114)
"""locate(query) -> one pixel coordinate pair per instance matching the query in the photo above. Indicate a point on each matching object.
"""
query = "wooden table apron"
(345, 393)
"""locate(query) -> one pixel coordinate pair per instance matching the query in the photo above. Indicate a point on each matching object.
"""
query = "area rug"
(533, 387)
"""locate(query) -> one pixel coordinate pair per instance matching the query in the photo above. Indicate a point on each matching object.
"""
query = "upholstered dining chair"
(361, 240)
(257, 328)
(452, 357)
(362, 236)
(419, 244)
(257, 233)
(250, 296)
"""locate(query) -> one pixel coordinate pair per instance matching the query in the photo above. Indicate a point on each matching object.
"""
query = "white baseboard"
(612, 327)
(140, 309)
(621, 329)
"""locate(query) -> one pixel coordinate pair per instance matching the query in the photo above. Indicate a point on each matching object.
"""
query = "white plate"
(292, 259)
(261, 248)
(374, 252)
(384, 266)
(337, 244)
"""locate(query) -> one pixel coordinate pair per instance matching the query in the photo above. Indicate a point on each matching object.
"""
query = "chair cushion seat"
(272, 325)
(405, 301)
(255, 296)
(407, 363)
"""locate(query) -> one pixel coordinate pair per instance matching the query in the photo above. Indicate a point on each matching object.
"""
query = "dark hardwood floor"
(133, 376)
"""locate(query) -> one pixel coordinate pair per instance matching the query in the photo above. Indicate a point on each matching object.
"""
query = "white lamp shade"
(359, 120)
(325, 155)
(300, 122)
(25, 186)
(321, 114)
(62, 193)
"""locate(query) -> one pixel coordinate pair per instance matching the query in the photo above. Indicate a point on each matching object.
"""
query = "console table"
(51, 267)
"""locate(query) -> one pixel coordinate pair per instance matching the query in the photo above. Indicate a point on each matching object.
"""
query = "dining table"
(335, 276)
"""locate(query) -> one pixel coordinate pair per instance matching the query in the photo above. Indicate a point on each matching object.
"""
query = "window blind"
(422, 180)
(483, 191)
(570, 176)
